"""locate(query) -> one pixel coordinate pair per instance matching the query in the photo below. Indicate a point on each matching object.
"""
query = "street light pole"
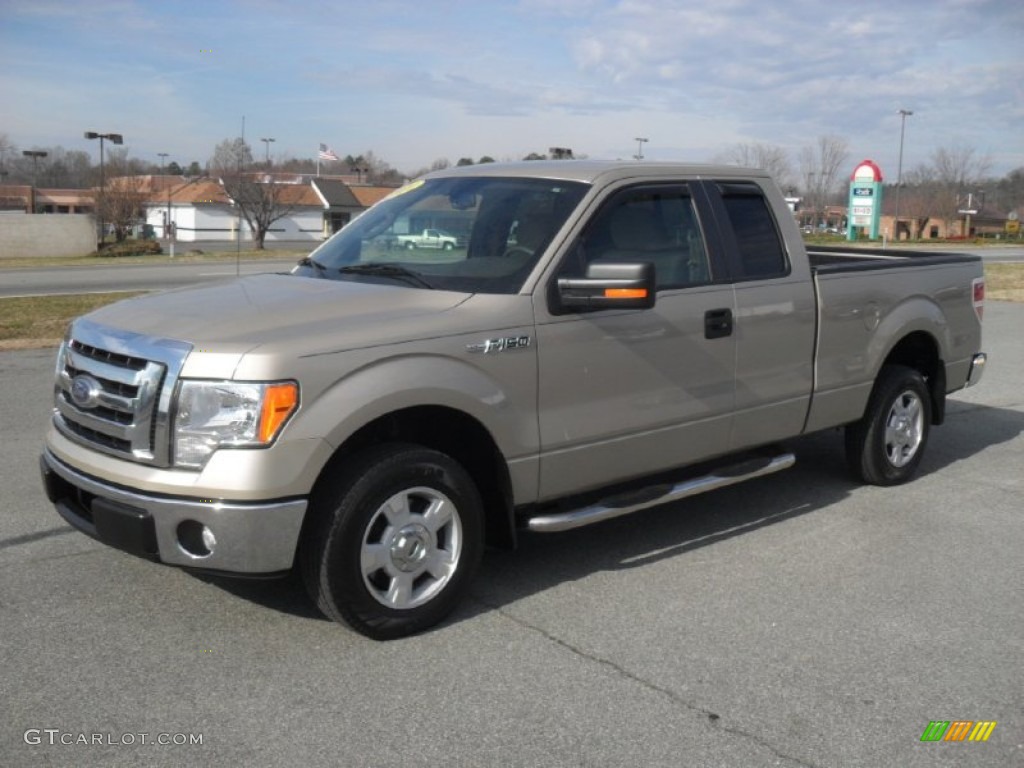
(267, 142)
(35, 154)
(117, 138)
(639, 148)
(168, 223)
(904, 114)
(163, 172)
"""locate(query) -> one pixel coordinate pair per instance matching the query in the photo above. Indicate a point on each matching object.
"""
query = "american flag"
(326, 153)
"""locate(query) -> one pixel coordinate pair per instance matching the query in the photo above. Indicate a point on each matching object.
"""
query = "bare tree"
(1009, 191)
(820, 164)
(380, 171)
(230, 156)
(121, 204)
(774, 160)
(958, 172)
(260, 198)
(6, 146)
(261, 202)
(919, 199)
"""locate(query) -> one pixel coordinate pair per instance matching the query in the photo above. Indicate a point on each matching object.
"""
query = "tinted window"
(757, 239)
(653, 225)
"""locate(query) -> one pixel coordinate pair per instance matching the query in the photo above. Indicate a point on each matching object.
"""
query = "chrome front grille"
(113, 391)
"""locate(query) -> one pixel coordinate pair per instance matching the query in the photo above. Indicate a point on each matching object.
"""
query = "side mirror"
(609, 286)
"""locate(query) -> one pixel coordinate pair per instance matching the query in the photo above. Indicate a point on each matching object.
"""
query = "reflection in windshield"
(461, 234)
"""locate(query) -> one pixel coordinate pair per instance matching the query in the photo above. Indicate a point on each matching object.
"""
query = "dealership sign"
(865, 203)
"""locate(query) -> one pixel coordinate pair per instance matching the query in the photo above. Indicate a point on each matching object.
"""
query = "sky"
(420, 80)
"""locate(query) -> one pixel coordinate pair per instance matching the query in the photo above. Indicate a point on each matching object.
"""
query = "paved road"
(90, 279)
(799, 620)
(129, 277)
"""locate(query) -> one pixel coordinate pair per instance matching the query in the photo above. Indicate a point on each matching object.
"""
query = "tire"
(410, 246)
(449, 247)
(394, 541)
(886, 446)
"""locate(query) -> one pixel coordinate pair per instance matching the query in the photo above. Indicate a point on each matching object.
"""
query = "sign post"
(865, 204)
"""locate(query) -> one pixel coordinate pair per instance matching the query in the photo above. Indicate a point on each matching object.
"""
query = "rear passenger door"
(775, 314)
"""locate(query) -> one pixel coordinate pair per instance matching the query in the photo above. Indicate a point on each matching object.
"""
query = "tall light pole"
(168, 226)
(116, 138)
(639, 148)
(267, 142)
(904, 114)
(35, 154)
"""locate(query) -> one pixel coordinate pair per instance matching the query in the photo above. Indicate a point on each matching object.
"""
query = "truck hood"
(304, 313)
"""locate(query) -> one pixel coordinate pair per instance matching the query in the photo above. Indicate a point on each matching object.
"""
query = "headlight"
(219, 414)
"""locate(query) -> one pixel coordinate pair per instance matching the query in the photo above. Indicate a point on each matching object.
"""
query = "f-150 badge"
(500, 345)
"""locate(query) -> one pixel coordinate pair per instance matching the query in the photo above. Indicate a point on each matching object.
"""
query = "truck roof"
(589, 171)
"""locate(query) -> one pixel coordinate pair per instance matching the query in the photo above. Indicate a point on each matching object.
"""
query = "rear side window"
(757, 239)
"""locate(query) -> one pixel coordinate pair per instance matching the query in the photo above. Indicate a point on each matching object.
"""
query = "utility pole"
(904, 114)
(35, 154)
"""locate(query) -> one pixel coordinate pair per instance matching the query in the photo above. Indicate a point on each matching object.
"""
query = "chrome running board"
(634, 501)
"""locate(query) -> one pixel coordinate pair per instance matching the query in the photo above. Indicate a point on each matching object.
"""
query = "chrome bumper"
(977, 369)
(247, 538)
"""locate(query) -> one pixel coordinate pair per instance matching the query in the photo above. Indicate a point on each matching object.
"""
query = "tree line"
(933, 190)
(936, 189)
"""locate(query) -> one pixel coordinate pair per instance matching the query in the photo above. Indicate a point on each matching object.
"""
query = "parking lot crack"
(714, 719)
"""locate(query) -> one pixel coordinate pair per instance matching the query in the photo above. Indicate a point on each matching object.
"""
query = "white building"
(201, 210)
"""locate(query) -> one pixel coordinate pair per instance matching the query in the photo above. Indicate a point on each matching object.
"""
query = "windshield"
(476, 235)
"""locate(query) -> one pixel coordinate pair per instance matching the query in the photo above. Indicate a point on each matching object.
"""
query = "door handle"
(717, 323)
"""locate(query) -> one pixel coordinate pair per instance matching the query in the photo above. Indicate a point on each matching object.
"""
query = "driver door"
(625, 393)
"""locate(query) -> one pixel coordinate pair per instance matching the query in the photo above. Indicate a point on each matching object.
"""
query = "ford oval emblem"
(85, 391)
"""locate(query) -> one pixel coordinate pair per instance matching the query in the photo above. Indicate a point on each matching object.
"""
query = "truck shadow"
(543, 561)
(817, 481)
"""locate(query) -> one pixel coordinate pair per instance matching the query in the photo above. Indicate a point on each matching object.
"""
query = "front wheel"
(886, 446)
(394, 541)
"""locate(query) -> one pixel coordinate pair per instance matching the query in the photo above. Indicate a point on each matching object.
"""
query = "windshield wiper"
(387, 270)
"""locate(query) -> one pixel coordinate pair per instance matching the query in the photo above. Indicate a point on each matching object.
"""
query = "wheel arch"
(456, 434)
(920, 350)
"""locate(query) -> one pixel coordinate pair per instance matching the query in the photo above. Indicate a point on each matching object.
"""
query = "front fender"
(499, 391)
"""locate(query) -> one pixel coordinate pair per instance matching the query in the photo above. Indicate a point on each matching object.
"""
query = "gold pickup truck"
(609, 336)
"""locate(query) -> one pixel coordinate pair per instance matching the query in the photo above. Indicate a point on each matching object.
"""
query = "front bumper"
(257, 538)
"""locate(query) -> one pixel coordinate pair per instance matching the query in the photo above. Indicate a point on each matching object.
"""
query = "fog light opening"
(196, 539)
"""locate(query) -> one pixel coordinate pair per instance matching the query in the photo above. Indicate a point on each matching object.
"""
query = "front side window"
(461, 234)
(656, 225)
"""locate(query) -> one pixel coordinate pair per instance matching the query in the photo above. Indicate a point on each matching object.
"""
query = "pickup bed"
(611, 337)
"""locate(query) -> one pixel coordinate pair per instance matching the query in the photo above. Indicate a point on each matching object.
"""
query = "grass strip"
(1004, 282)
(39, 321)
(29, 322)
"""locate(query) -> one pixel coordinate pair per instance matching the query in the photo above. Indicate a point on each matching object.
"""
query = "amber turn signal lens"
(279, 402)
(625, 293)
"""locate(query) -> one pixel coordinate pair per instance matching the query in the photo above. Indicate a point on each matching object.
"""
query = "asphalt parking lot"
(797, 620)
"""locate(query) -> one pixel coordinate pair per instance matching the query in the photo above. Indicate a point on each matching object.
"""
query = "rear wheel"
(410, 246)
(394, 542)
(886, 446)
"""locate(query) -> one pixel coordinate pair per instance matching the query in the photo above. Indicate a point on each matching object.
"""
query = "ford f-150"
(611, 336)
